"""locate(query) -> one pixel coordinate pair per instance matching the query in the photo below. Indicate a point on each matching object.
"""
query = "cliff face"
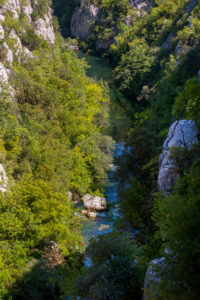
(18, 19)
(88, 15)
(181, 134)
(141, 4)
(83, 19)
(12, 29)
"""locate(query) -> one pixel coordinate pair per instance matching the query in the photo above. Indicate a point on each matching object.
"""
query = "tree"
(114, 274)
(177, 217)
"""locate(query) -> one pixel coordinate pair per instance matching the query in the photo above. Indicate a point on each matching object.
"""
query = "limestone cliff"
(83, 19)
(17, 18)
(181, 134)
(88, 15)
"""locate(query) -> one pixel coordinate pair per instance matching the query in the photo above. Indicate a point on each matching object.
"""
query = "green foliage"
(31, 215)
(52, 140)
(134, 204)
(187, 104)
(177, 217)
(11, 23)
(134, 68)
(114, 273)
(2, 2)
(30, 39)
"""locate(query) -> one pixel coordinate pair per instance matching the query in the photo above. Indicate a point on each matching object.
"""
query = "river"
(101, 70)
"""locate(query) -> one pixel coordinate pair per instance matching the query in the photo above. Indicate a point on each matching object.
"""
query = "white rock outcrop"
(13, 6)
(8, 54)
(181, 134)
(4, 73)
(43, 28)
(3, 179)
(83, 19)
(1, 32)
(94, 203)
(141, 5)
(153, 278)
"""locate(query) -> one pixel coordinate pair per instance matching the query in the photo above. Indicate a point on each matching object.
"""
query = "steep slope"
(98, 22)
(52, 124)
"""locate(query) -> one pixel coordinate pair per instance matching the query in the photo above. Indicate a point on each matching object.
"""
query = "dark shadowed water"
(101, 70)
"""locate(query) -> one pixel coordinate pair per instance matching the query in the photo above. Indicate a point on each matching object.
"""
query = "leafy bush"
(114, 274)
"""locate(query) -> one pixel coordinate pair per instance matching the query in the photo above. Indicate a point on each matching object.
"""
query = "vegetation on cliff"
(52, 140)
(156, 63)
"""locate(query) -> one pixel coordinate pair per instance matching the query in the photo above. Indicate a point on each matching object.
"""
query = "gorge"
(99, 149)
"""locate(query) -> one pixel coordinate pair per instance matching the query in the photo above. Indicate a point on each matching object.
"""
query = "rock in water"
(94, 203)
(92, 214)
(181, 134)
(84, 212)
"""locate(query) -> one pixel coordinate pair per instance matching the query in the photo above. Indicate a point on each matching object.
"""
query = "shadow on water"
(101, 70)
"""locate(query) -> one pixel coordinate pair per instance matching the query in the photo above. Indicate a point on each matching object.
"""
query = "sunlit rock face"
(42, 27)
(83, 19)
(3, 180)
(94, 203)
(88, 14)
(4, 73)
(181, 134)
(141, 4)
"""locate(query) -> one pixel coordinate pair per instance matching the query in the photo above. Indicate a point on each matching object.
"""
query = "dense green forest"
(156, 58)
(54, 139)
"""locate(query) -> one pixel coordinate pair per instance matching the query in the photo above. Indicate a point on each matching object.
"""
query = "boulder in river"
(94, 203)
(84, 212)
(92, 214)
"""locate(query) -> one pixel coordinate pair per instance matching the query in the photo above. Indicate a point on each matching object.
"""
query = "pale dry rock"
(9, 54)
(3, 179)
(1, 32)
(92, 214)
(43, 28)
(12, 6)
(143, 5)
(83, 19)
(70, 195)
(94, 203)
(181, 134)
(18, 44)
(27, 10)
(3, 75)
(84, 212)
